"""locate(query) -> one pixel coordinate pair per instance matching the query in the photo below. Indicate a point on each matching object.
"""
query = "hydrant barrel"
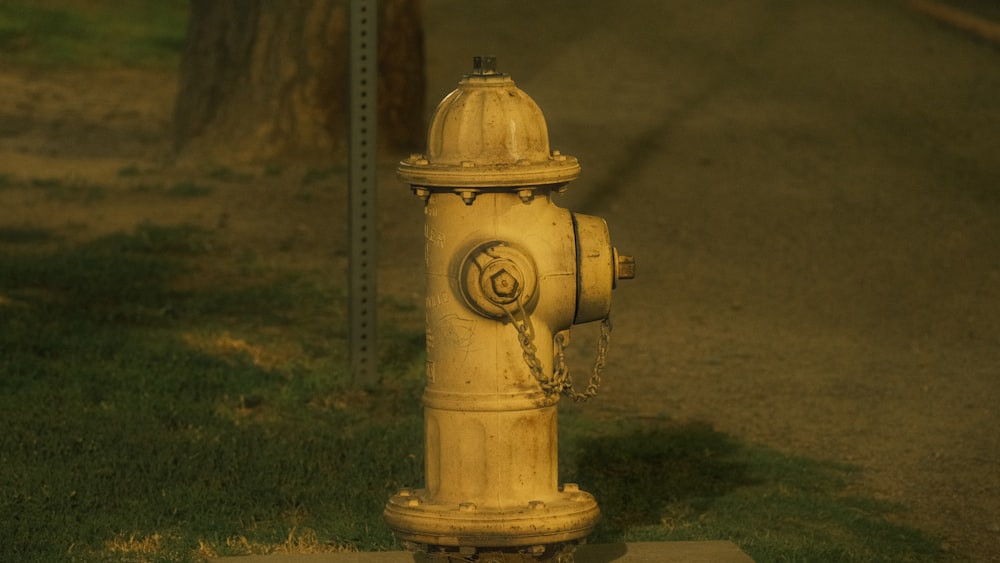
(506, 271)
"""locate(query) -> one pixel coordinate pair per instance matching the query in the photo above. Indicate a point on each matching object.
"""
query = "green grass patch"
(145, 423)
(274, 169)
(188, 189)
(156, 408)
(25, 235)
(144, 188)
(227, 174)
(72, 190)
(317, 175)
(129, 171)
(147, 33)
(46, 183)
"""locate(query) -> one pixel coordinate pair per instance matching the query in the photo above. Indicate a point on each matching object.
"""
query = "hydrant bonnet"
(488, 133)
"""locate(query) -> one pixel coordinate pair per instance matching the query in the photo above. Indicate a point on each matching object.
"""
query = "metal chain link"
(561, 380)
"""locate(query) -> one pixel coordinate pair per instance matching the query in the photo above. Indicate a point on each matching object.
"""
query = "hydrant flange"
(559, 520)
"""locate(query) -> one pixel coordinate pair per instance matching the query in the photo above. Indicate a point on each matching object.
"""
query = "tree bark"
(265, 80)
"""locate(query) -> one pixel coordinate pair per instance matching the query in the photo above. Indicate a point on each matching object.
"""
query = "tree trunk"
(266, 80)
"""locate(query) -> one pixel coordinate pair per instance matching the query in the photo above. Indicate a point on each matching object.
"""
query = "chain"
(561, 380)
(526, 337)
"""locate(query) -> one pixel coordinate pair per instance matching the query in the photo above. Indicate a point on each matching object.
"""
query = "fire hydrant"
(508, 272)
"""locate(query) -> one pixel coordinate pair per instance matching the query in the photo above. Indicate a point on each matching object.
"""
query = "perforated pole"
(363, 49)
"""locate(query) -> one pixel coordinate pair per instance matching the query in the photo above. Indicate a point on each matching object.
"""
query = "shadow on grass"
(123, 441)
(671, 481)
(148, 423)
(651, 476)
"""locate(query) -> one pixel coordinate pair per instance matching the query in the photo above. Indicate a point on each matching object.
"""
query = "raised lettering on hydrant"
(508, 273)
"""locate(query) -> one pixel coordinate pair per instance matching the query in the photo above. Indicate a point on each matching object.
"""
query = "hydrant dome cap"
(488, 133)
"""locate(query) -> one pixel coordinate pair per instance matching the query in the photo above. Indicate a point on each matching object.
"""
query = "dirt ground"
(812, 195)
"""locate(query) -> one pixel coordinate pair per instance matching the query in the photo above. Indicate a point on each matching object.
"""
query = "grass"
(129, 171)
(64, 190)
(22, 235)
(316, 175)
(144, 422)
(188, 189)
(147, 33)
(227, 174)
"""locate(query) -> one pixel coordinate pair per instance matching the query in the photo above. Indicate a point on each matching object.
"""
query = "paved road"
(812, 192)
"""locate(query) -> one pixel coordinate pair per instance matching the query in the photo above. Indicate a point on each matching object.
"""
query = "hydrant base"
(569, 517)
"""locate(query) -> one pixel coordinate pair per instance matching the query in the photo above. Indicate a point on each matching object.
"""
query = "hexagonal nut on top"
(496, 275)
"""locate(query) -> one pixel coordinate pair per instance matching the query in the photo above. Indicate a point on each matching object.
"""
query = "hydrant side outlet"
(507, 272)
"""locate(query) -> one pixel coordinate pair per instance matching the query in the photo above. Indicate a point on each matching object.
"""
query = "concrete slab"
(639, 552)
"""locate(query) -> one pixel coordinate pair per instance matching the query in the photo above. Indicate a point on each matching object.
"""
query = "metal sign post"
(362, 177)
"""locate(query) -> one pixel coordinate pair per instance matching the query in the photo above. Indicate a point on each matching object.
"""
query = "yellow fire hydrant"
(508, 272)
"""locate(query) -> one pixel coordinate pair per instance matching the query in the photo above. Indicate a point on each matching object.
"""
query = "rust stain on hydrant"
(508, 273)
